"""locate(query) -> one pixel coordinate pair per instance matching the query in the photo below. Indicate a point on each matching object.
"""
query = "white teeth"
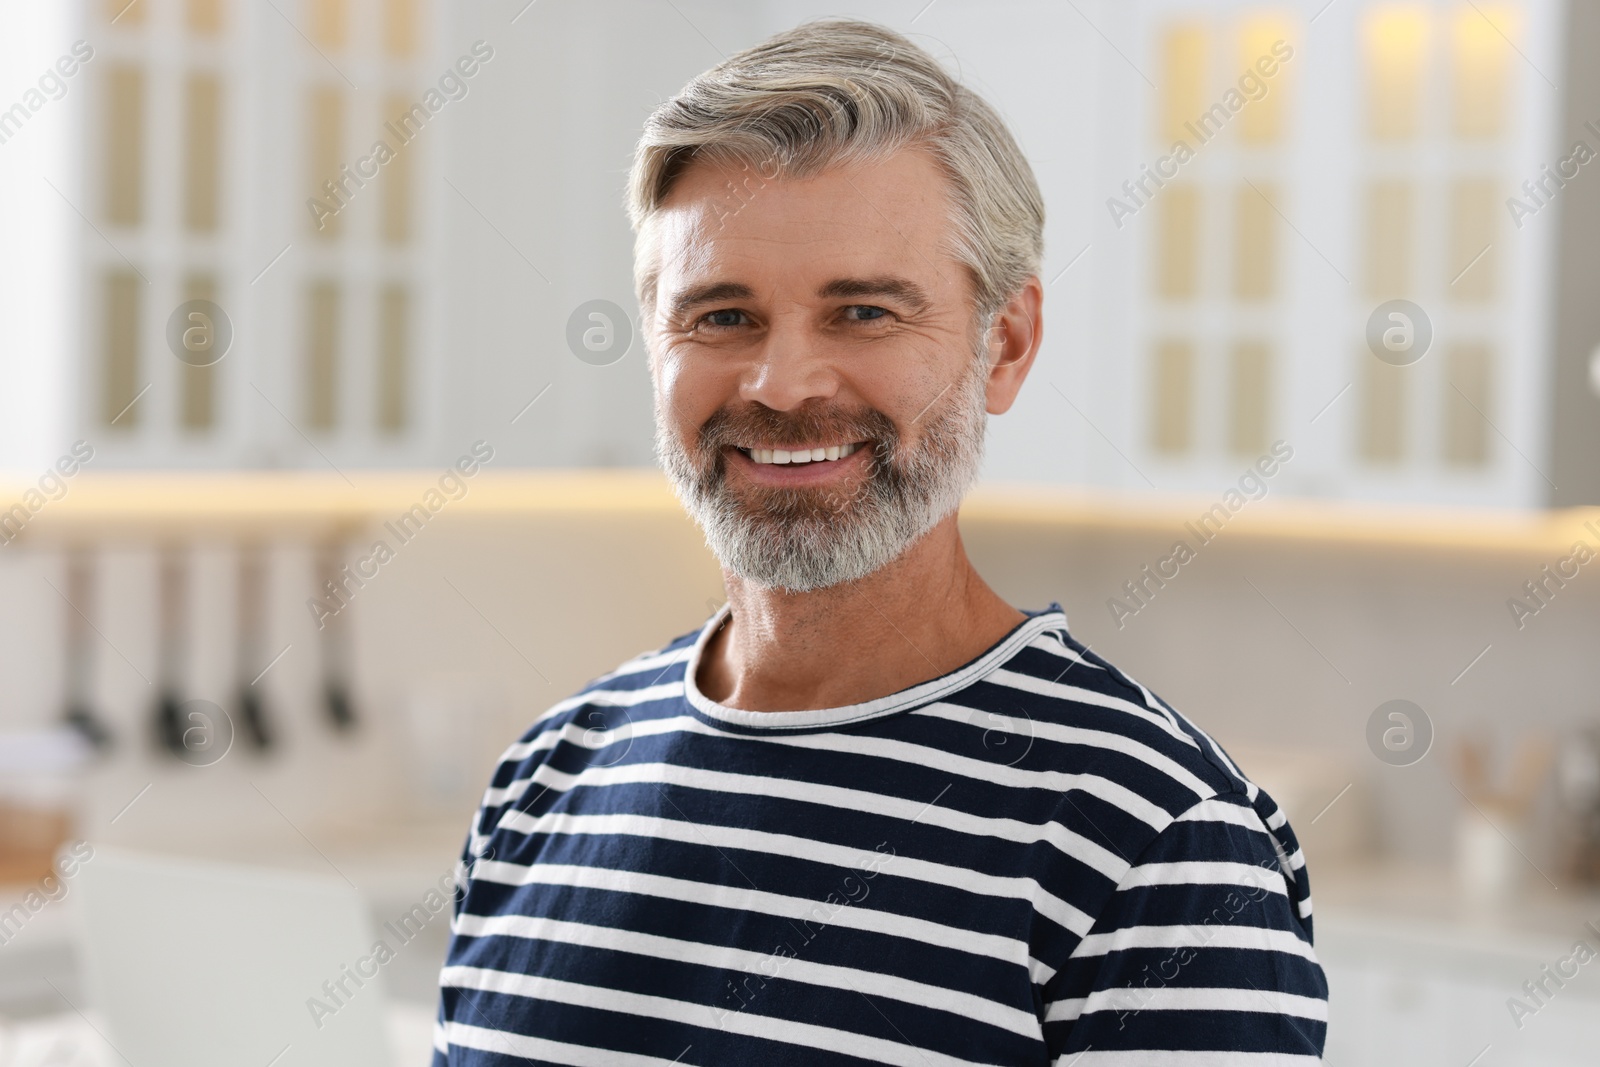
(800, 455)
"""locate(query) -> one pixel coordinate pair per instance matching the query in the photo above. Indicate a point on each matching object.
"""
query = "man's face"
(816, 319)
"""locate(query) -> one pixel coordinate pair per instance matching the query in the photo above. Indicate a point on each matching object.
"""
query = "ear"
(1013, 341)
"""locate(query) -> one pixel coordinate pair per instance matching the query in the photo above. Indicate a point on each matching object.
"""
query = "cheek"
(917, 393)
(691, 389)
(673, 378)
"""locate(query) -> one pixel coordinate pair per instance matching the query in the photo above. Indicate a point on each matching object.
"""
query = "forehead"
(727, 223)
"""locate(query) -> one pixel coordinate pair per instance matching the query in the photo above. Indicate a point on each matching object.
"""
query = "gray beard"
(804, 538)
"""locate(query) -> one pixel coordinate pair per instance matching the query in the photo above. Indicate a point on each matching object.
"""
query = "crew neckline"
(1018, 637)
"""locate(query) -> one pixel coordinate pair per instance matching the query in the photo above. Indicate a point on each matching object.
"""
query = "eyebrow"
(904, 290)
(901, 289)
(706, 294)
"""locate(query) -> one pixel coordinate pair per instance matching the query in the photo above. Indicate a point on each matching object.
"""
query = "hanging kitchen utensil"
(170, 636)
(79, 703)
(335, 643)
(252, 627)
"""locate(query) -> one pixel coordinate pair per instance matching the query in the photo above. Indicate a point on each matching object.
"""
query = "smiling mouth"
(785, 456)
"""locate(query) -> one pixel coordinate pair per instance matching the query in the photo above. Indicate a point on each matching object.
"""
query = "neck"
(920, 617)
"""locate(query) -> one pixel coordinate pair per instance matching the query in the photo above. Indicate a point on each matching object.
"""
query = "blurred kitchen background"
(202, 654)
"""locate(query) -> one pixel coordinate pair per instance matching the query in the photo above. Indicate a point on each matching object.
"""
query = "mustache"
(759, 426)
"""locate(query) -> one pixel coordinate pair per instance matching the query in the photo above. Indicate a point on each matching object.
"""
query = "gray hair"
(835, 92)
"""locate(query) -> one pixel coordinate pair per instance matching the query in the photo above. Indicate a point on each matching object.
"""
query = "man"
(869, 812)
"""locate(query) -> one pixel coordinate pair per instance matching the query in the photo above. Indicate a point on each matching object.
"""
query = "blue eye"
(873, 313)
(717, 318)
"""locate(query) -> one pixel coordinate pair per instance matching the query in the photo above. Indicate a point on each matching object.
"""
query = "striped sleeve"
(505, 790)
(1199, 959)
(463, 874)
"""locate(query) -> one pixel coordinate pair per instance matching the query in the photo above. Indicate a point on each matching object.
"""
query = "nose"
(788, 369)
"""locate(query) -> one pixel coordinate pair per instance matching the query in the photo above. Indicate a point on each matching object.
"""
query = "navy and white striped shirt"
(1030, 860)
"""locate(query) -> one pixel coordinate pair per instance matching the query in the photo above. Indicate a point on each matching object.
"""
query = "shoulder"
(586, 717)
(1135, 767)
(1089, 714)
(650, 675)
(1118, 741)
